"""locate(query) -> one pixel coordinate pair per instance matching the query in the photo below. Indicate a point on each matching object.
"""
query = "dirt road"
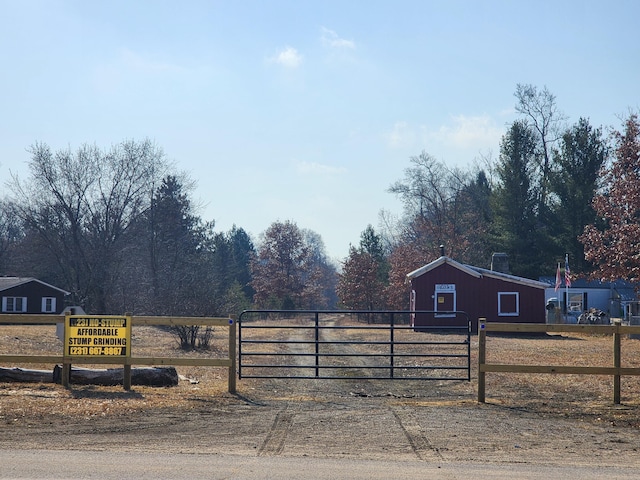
(437, 423)
(528, 420)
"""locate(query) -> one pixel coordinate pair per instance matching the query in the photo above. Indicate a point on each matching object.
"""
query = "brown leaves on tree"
(359, 286)
(285, 275)
(615, 248)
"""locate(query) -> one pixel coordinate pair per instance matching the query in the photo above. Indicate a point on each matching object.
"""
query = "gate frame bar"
(391, 355)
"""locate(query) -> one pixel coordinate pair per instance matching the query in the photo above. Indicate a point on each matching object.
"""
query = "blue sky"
(303, 110)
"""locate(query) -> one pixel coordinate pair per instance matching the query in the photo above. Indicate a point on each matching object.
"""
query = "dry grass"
(39, 400)
(554, 395)
(565, 395)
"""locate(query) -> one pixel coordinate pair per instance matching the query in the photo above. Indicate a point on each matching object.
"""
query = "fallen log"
(148, 376)
(24, 375)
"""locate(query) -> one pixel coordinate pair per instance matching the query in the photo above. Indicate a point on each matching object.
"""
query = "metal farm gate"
(347, 344)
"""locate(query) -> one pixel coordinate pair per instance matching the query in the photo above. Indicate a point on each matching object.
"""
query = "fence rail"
(127, 362)
(616, 370)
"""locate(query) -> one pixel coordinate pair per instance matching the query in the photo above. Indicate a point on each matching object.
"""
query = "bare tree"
(11, 232)
(82, 205)
(438, 208)
(541, 112)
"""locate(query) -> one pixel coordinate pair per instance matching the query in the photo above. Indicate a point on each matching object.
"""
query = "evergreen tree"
(515, 201)
(582, 154)
(178, 253)
(229, 269)
(371, 243)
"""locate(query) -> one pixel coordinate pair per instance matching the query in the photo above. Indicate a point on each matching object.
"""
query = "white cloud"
(468, 132)
(401, 136)
(313, 168)
(459, 140)
(288, 57)
(331, 39)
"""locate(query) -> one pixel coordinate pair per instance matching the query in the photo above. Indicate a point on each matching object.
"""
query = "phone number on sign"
(96, 351)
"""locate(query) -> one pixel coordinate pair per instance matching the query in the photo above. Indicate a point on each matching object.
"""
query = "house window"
(14, 304)
(508, 304)
(577, 302)
(48, 304)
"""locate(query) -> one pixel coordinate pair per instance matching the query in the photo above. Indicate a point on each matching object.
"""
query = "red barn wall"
(478, 297)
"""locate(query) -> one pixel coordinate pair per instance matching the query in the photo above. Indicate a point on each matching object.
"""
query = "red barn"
(445, 285)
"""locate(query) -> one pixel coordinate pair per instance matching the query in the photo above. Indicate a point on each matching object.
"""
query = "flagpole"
(566, 286)
(557, 310)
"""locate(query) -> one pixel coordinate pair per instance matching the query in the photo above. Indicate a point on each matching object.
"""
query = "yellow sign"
(99, 336)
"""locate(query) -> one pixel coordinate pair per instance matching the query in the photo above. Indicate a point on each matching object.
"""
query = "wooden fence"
(616, 370)
(65, 361)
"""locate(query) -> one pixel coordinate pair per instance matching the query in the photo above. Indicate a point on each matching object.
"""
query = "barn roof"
(440, 261)
(10, 282)
(475, 272)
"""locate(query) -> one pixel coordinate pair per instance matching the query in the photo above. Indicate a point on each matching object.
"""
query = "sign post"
(88, 337)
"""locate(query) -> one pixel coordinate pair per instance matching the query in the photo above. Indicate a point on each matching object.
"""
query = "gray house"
(30, 295)
(612, 298)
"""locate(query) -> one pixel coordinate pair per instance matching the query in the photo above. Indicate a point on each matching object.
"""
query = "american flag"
(567, 272)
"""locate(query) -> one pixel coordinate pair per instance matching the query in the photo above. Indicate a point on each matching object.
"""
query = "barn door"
(445, 300)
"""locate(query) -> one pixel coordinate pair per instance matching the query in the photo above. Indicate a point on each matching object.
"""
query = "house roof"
(625, 289)
(10, 282)
(475, 272)
(582, 282)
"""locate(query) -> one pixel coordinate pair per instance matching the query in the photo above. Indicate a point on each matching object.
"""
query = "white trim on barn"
(515, 311)
(437, 263)
(440, 294)
(475, 272)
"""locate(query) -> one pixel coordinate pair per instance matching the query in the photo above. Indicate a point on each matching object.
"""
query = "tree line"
(554, 190)
(118, 229)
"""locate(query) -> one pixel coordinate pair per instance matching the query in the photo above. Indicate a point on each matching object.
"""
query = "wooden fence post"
(232, 353)
(482, 354)
(65, 379)
(126, 376)
(126, 370)
(616, 361)
(66, 367)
